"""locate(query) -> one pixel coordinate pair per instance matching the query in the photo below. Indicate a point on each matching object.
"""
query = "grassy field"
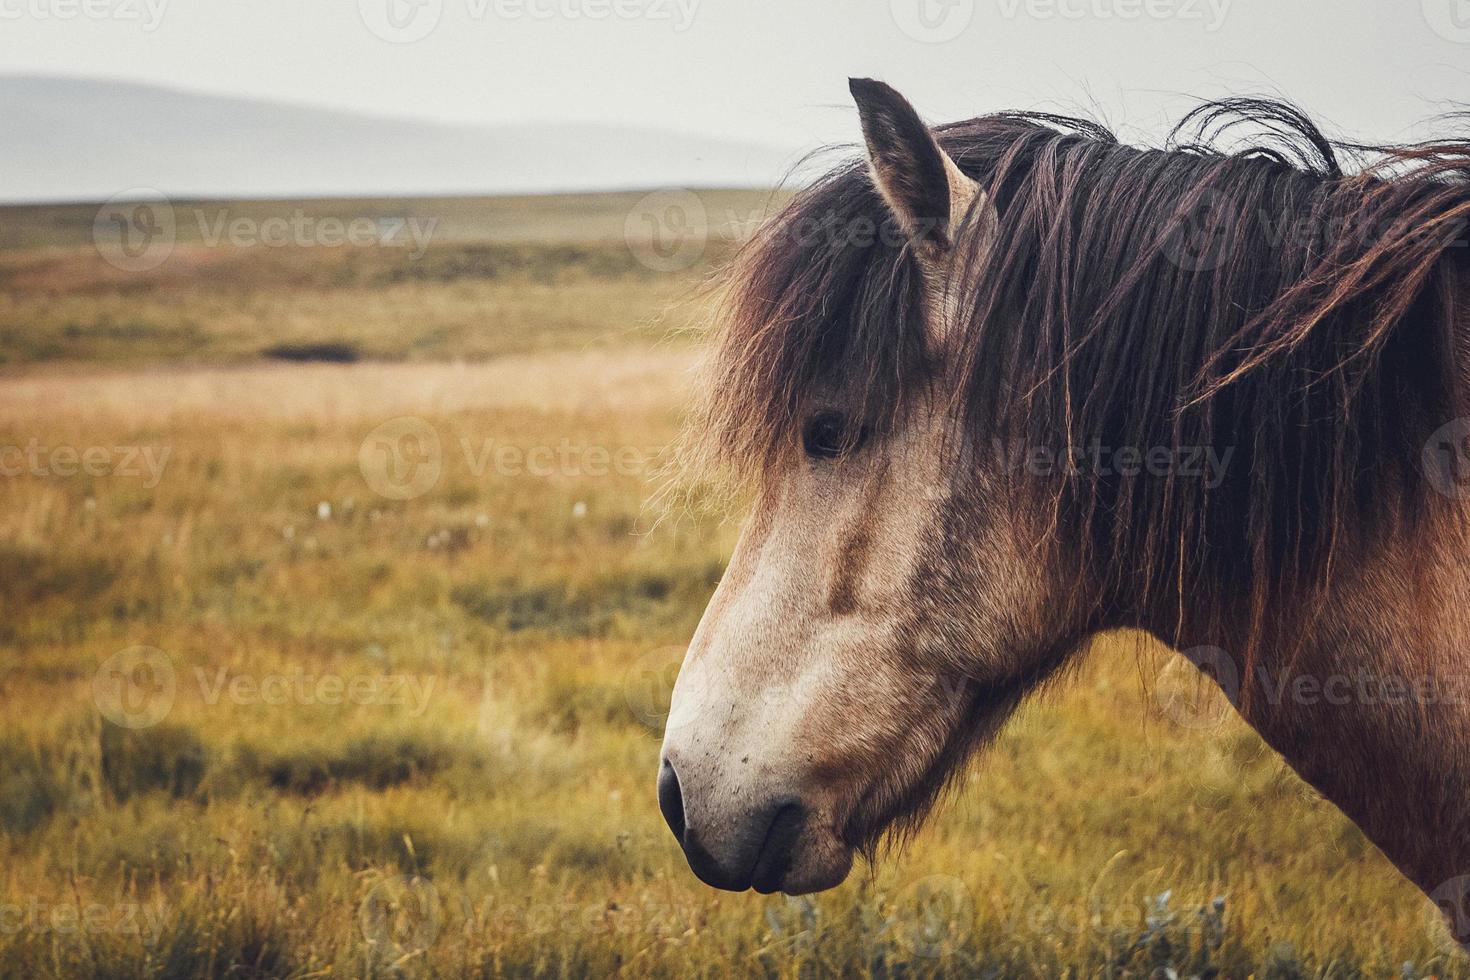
(358, 669)
(437, 279)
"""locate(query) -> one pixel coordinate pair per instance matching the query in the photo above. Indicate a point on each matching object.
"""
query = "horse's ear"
(926, 190)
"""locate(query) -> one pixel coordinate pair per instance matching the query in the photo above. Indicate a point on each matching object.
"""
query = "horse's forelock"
(825, 302)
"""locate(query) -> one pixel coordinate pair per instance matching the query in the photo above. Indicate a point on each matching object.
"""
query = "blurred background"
(341, 346)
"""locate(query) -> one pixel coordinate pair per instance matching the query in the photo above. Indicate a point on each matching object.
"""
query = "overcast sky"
(771, 70)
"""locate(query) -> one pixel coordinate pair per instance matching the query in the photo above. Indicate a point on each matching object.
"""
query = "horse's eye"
(827, 435)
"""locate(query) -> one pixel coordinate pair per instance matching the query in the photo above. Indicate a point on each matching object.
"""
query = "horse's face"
(861, 641)
(876, 621)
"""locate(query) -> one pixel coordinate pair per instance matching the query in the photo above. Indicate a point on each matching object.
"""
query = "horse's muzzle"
(759, 845)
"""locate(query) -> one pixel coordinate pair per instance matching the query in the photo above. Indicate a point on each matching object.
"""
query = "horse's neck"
(1371, 703)
(1394, 752)
(1374, 708)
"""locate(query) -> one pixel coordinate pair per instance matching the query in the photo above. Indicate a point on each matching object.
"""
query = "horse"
(965, 383)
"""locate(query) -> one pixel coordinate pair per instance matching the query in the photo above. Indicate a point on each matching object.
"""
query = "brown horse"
(1009, 383)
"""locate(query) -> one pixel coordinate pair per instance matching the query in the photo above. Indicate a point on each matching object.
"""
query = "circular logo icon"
(667, 231)
(135, 688)
(1448, 918)
(401, 21)
(648, 687)
(1200, 239)
(1216, 779)
(400, 914)
(932, 21)
(1185, 695)
(1446, 459)
(1450, 19)
(932, 917)
(135, 231)
(402, 458)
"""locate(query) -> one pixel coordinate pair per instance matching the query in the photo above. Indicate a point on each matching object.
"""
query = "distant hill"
(70, 139)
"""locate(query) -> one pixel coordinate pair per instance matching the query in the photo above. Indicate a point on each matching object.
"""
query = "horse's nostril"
(671, 799)
(749, 846)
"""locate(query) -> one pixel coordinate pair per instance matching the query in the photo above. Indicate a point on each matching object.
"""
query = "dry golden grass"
(624, 380)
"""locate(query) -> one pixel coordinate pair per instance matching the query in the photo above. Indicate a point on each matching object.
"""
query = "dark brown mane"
(1292, 301)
